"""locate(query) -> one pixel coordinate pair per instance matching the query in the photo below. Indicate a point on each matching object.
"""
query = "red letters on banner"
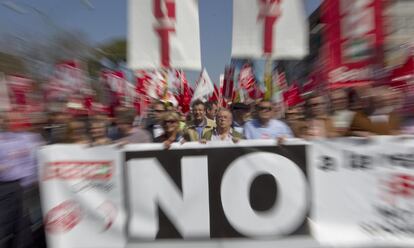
(164, 12)
(269, 12)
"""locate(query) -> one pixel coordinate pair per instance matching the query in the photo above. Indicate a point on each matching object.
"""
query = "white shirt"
(218, 137)
(343, 118)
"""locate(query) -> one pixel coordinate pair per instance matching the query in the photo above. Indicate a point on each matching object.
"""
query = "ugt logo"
(269, 12)
(164, 12)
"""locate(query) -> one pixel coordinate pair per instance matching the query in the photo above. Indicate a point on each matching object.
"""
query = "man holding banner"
(264, 127)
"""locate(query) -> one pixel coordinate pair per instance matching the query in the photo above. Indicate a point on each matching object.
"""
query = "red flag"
(247, 80)
(184, 99)
(292, 96)
(184, 92)
(310, 85)
(283, 86)
(215, 97)
(19, 88)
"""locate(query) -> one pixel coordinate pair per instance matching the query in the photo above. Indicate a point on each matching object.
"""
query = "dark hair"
(209, 105)
(261, 101)
(158, 102)
(196, 103)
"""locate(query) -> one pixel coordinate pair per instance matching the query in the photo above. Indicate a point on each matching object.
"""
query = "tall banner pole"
(268, 78)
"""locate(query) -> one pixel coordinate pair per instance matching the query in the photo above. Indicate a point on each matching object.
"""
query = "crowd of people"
(343, 112)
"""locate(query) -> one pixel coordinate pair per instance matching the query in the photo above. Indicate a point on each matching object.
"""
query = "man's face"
(211, 113)
(224, 119)
(241, 115)
(199, 112)
(158, 110)
(264, 111)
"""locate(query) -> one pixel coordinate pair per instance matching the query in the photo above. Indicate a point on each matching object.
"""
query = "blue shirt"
(274, 129)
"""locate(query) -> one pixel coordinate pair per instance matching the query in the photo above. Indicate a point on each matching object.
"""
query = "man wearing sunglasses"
(263, 126)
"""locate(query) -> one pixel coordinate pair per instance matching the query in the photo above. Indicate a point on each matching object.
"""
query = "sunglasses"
(170, 121)
(264, 108)
(316, 104)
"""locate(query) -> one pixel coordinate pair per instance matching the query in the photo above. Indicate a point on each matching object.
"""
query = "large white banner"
(342, 193)
(363, 192)
(276, 28)
(163, 34)
(193, 195)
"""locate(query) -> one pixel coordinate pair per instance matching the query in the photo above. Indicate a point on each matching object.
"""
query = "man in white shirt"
(223, 130)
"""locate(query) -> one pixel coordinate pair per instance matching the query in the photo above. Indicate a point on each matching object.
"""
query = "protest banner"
(163, 34)
(346, 192)
(211, 193)
(82, 197)
(363, 192)
(275, 28)
(355, 37)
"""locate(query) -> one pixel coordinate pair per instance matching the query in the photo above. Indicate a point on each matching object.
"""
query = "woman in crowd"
(170, 122)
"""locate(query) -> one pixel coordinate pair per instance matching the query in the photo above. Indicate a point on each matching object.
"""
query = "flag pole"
(268, 77)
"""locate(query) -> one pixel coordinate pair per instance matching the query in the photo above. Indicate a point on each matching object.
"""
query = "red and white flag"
(292, 96)
(69, 79)
(120, 88)
(247, 81)
(151, 83)
(163, 34)
(204, 87)
(215, 97)
(19, 89)
(273, 28)
(282, 82)
(184, 98)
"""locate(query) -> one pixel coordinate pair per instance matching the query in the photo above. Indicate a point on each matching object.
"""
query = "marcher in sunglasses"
(263, 126)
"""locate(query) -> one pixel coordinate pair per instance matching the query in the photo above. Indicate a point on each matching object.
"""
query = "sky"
(107, 20)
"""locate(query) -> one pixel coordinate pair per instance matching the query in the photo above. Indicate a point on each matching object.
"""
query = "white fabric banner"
(82, 197)
(224, 195)
(163, 33)
(363, 192)
(275, 27)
